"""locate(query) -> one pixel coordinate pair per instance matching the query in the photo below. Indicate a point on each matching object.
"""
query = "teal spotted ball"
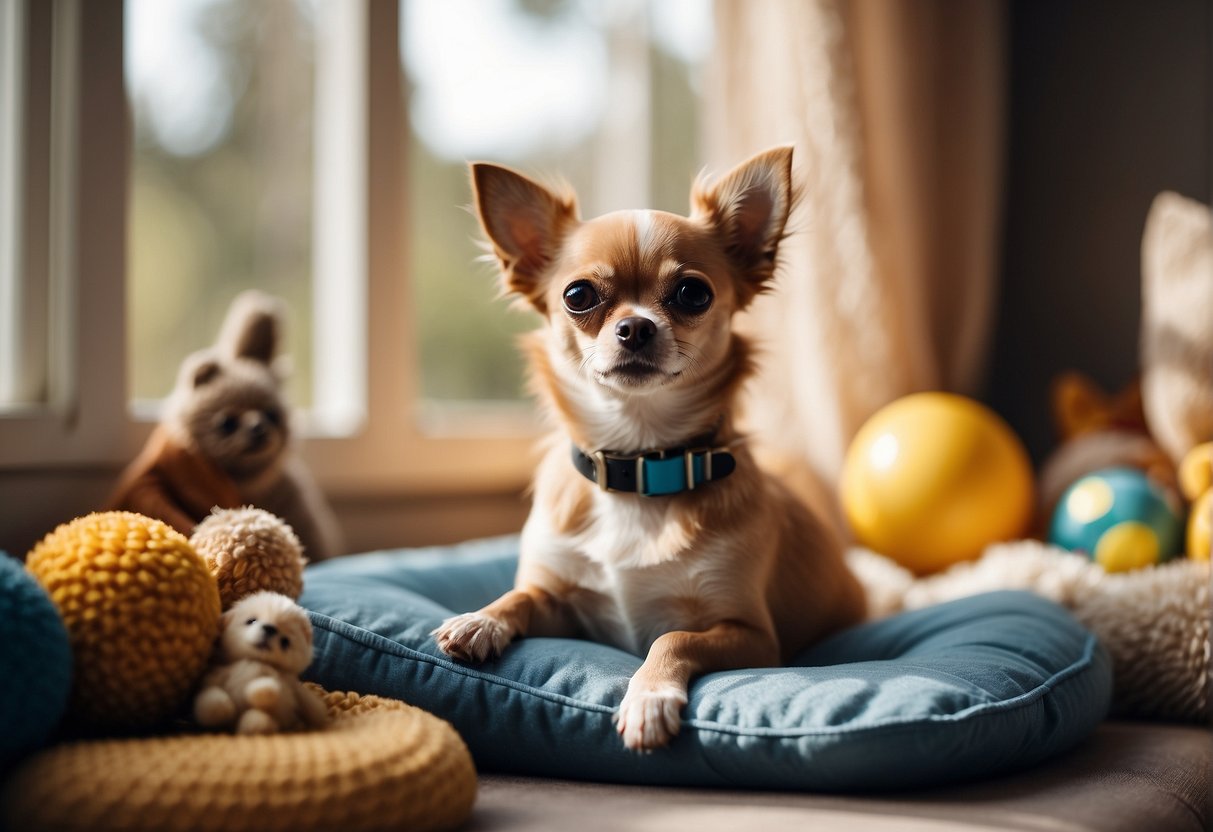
(35, 662)
(1119, 518)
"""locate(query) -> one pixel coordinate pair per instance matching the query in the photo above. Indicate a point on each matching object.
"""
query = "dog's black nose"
(269, 629)
(634, 332)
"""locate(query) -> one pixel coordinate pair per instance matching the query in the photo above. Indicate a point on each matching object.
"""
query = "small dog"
(265, 643)
(652, 527)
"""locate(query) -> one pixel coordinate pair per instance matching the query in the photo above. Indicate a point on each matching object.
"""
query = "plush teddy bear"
(253, 684)
(224, 438)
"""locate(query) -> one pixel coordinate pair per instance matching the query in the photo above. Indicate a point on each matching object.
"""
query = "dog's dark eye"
(580, 297)
(229, 424)
(250, 622)
(692, 294)
(274, 416)
(285, 642)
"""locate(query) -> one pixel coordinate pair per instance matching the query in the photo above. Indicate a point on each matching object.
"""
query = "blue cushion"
(982, 685)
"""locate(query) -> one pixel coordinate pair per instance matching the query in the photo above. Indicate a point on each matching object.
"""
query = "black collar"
(656, 473)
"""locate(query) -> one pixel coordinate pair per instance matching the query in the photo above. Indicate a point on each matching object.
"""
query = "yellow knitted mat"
(380, 764)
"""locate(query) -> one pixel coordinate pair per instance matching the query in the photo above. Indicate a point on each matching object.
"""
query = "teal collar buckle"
(655, 473)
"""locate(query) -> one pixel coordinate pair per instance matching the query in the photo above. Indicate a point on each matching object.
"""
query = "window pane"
(221, 196)
(601, 94)
(21, 330)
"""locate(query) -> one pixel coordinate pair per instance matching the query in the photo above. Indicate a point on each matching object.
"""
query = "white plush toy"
(253, 684)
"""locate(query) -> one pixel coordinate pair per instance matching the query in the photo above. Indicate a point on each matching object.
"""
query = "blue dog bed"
(967, 689)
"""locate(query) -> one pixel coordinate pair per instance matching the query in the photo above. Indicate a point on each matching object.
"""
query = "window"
(247, 172)
(316, 149)
(36, 179)
(221, 176)
(15, 382)
(39, 96)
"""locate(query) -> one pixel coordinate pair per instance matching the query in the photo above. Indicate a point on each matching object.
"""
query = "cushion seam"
(462, 670)
(1024, 699)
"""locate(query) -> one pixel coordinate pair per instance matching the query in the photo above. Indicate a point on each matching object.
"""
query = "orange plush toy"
(174, 483)
(1097, 430)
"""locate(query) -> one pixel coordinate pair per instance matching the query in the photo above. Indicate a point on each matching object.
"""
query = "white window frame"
(364, 438)
(71, 240)
(393, 453)
(19, 368)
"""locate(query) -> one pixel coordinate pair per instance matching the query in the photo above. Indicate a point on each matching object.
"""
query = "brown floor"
(1135, 777)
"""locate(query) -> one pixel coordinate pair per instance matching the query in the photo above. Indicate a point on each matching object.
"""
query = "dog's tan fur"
(736, 573)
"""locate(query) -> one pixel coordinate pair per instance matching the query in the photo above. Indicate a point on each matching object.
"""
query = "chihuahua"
(652, 527)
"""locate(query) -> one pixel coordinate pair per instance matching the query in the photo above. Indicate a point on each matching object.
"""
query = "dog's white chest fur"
(630, 586)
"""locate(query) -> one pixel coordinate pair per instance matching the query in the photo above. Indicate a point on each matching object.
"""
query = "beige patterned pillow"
(1177, 323)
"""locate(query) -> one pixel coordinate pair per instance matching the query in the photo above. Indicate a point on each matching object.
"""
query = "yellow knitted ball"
(141, 610)
(249, 550)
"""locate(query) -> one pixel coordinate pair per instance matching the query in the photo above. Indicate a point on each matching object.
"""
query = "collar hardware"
(655, 473)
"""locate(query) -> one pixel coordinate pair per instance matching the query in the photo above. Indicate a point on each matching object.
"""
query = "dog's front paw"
(472, 637)
(649, 719)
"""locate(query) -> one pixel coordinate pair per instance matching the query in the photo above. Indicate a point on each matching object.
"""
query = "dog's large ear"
(252, 328)
(524, 223)
(748, 208)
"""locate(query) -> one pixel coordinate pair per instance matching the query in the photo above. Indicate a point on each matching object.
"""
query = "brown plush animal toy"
(224, 438)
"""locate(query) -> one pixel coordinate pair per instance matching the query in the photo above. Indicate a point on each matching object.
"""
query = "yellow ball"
(141, 610)
(1200, 527)
(1196, 482)
(934, 478)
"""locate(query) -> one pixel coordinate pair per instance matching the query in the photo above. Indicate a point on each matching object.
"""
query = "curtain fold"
(889, 273)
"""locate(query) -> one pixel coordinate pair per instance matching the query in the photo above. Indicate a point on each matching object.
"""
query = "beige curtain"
(895, 109)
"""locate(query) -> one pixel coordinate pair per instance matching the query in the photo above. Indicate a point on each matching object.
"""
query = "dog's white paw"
(649, 719)
(472, 637)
